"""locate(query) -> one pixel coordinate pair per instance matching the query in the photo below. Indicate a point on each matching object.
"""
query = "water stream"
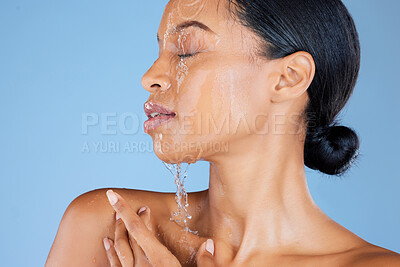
(181, 197)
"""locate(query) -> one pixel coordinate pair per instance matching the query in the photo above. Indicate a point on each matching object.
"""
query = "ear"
(296, 74)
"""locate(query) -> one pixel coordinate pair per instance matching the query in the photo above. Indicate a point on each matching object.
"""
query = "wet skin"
(258, 209)
(90, 217)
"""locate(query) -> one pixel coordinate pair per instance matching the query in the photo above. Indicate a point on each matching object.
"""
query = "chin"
(176, 158)
(174, 152)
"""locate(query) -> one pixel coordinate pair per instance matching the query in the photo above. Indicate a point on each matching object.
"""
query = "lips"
(151, 108)
(157, 114)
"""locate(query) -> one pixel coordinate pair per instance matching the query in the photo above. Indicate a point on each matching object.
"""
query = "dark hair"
(326, 30)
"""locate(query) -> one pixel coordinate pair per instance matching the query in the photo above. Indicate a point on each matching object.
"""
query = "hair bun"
(331, 149)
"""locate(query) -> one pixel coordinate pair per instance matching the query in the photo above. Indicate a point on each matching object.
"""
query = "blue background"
(60, 60)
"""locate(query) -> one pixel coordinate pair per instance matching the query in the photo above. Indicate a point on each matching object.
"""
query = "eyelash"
(183, 56)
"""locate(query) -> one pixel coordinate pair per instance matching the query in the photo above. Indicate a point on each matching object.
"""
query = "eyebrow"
(187, 24)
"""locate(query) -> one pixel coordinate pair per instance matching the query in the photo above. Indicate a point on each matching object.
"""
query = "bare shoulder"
(89, 218)
(372, 255)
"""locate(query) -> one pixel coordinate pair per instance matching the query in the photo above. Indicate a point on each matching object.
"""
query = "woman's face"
(219, 94)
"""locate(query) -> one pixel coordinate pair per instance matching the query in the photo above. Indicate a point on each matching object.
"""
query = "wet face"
(207, 75)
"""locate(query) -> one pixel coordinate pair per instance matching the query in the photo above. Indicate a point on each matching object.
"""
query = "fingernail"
(210, 246)
(142, 209)
(112, 197)
(117, 216)
(106, 243)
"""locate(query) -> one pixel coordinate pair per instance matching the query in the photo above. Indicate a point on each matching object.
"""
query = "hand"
(135, 244)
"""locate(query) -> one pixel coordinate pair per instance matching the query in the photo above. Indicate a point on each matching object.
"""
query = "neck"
(259, 199)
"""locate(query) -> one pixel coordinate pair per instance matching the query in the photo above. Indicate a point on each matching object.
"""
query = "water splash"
(181, 196)
(182, 68)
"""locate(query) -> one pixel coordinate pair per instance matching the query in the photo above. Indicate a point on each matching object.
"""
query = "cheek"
(233, 95)
(195, 95)
(230, 91)
(221, 96)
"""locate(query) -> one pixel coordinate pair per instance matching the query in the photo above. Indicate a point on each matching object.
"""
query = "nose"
(156, 78)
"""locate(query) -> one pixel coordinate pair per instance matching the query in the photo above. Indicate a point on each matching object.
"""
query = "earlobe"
(297, 73)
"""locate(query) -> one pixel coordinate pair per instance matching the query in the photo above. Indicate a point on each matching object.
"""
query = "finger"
(205, 254)
(157, 253)
(144, 215)
(111, 254)
(121, 244)
(140, 257)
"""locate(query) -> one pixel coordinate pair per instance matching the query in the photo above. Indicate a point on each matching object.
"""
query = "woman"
(266, 79)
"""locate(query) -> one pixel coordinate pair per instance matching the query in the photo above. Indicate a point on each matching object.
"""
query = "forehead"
(212, 13)
(230, 35)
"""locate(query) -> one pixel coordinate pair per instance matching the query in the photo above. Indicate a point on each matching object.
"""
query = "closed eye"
(184, 56)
